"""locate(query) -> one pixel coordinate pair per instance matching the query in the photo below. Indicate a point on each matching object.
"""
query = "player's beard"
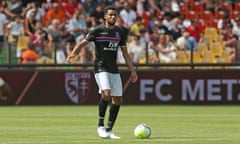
(111, 23)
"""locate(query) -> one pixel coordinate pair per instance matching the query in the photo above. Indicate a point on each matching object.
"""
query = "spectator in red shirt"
(70, 8)
(230, 40)
(38, 40)
(195, 30)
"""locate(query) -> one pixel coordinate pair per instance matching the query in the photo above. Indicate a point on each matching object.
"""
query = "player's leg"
(102, 106)
(113, 112)
(116, 101)
(102, 80)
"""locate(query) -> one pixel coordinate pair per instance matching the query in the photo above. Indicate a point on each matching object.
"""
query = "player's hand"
(134, 77)
(69, 58)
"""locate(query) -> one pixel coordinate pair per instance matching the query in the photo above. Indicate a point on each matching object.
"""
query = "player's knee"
(117, 100)
(106, 95)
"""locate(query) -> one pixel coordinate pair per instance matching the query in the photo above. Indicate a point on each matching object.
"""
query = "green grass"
(77, 125)
(4, 55)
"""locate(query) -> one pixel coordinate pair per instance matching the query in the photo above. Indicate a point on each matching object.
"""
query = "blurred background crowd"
(160, 31)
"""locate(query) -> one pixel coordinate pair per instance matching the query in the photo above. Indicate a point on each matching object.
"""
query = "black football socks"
(102, 107)
(113, 113)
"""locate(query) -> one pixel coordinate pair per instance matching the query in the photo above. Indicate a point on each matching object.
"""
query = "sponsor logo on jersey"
(103, 33)
(117, 34)
(110, 49)
(77, 86)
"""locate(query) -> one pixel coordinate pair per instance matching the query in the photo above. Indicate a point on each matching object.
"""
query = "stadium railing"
(10, 61)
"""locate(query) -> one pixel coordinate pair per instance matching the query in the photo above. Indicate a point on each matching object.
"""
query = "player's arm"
(129, 63)
(76, 49)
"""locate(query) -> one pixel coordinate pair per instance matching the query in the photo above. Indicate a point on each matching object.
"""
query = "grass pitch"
(77, 125)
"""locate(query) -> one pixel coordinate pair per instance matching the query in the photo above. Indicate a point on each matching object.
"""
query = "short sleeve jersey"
(107, 41)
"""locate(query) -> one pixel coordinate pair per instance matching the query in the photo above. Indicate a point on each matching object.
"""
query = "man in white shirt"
(77, 26)
(128, 15)
(16, 27)
(39, 12)
(136, 49)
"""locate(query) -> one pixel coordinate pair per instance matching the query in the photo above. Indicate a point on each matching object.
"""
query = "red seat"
(215, 23)
(237, 6)
(219, 14)
(227, 6)
(197, 7)
(184, 9)
(146, 19)
(192, 15)
(235, 14)
(191, 2)
(207, 15)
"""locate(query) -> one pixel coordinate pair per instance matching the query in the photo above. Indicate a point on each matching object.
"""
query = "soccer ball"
(142, 131)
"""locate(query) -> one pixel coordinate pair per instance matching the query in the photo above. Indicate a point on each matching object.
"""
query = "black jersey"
(107, 41)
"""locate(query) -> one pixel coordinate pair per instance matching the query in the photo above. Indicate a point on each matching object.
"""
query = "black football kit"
(107, 41)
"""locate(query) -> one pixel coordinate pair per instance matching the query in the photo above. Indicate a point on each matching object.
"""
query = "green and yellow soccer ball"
(142, 131)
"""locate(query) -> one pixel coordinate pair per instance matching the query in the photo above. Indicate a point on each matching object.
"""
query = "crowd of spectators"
(159, 30)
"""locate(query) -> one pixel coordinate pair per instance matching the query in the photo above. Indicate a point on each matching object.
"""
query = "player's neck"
(109, 26)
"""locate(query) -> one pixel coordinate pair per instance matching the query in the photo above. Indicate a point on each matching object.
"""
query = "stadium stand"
(209, 17)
